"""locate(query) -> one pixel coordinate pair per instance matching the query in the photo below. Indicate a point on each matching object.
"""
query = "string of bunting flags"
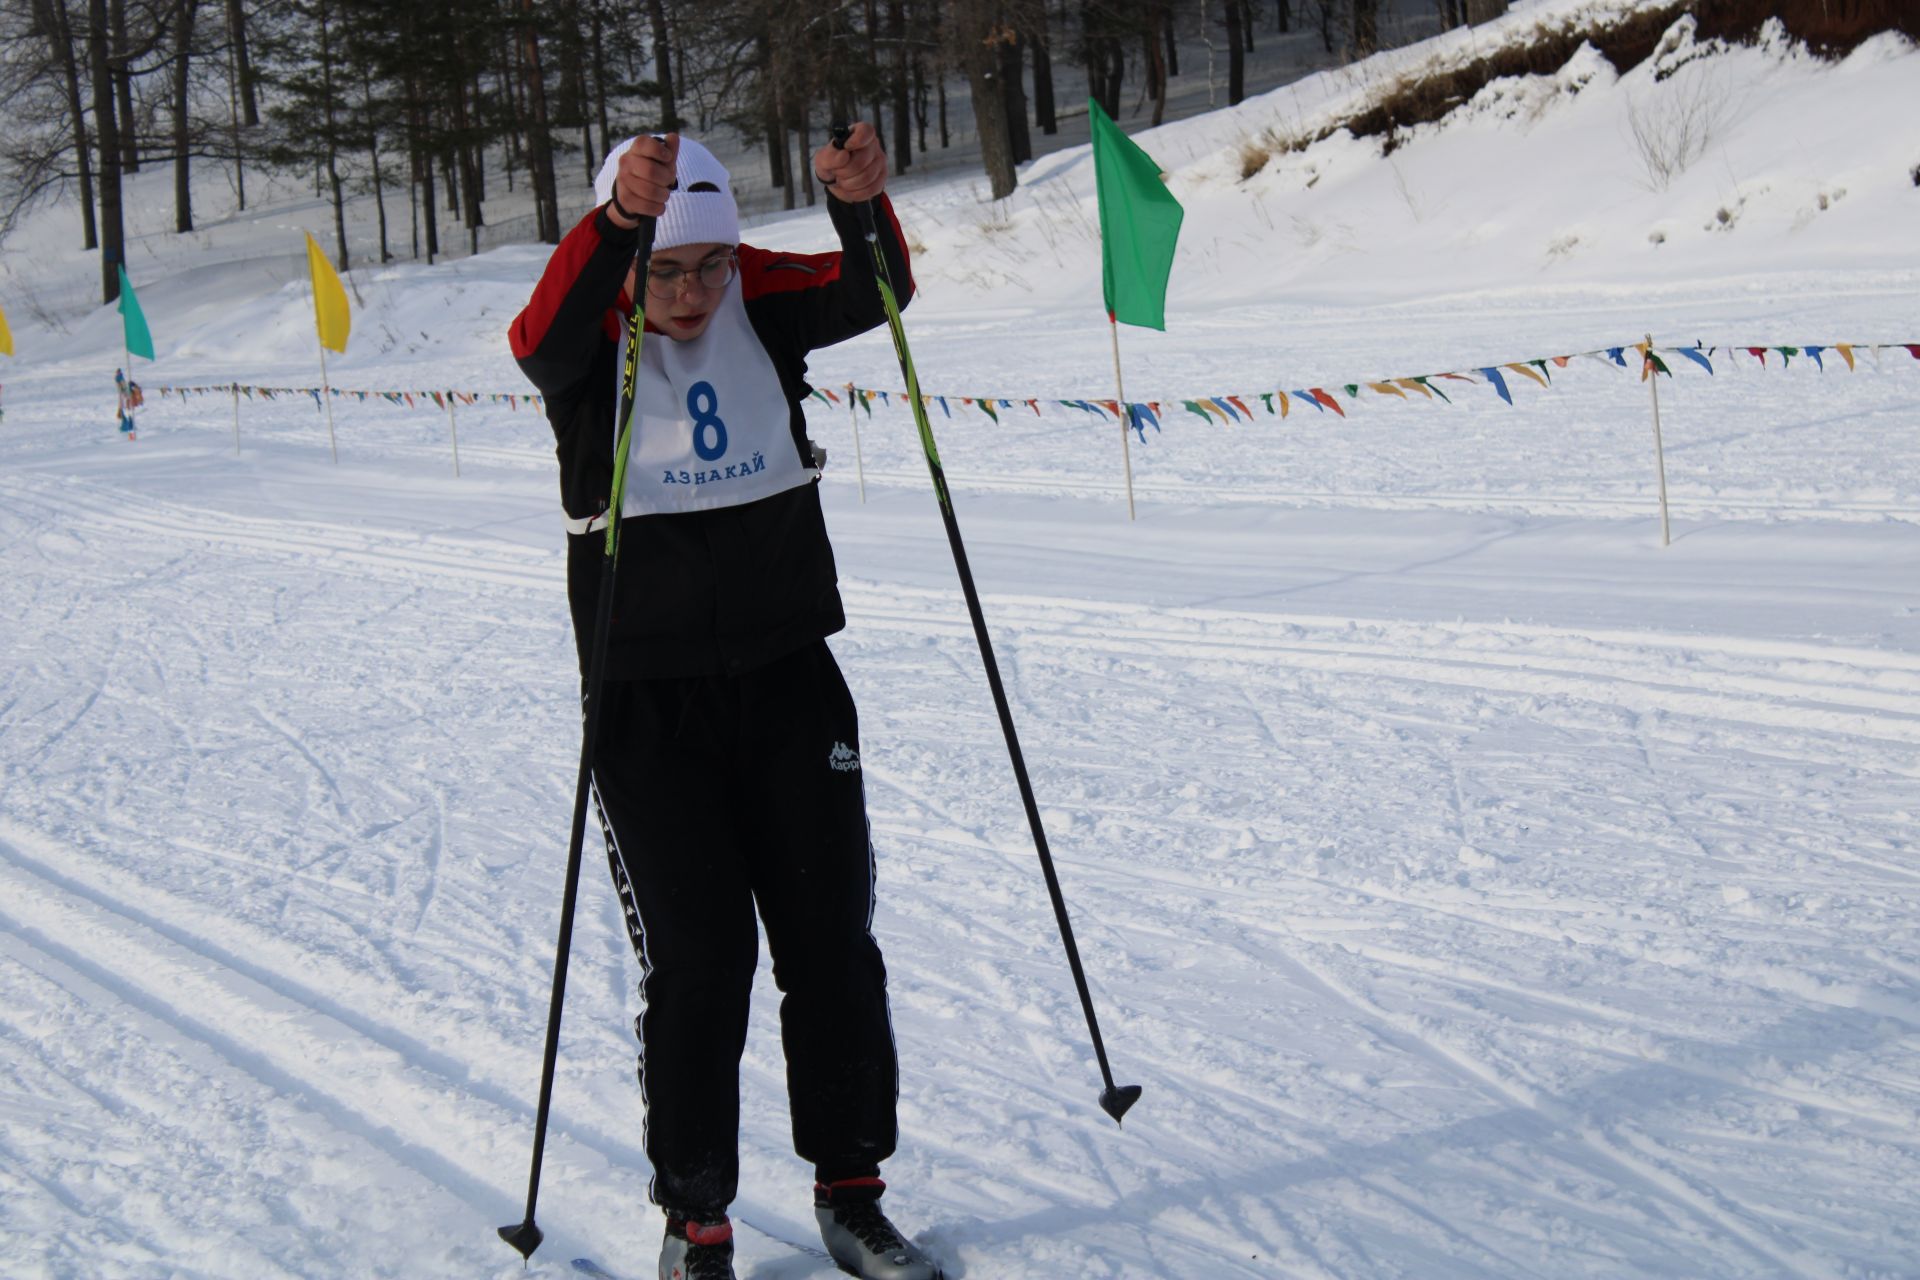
(1223, 408)
(410, 399)
(1226, 408)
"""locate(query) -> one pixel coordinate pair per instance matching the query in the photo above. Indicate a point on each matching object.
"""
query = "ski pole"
(1114, 1099)
(526, 1236)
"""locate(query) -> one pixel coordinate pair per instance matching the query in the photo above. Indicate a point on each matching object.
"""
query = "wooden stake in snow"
(1650, 372)
(859, 462)
(453, 430)
(235, 388)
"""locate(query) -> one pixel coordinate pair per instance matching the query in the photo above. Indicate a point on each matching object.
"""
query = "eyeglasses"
(714, 273)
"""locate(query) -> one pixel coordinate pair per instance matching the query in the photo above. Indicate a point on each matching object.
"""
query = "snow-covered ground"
(1476, 886)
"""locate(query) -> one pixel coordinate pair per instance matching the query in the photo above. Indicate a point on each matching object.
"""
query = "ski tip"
(1118, 1100)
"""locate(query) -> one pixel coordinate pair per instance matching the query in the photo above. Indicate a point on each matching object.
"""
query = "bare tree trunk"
(429, 201)
(373, 154)
(663, 65)
(182, 170)
(776, 78)
(876, 87)
(974, 27)
(237, 37)
(233, 126)
(940, 84)
(804, 127)
(1043, 108)
(476, 147)
(328, 96)
(1237, 54)
(1019, 137)
(1106, 60)
(1283, 15)
(469, 180)
(1167, 37)
(770, 119)
(59, 28)
(546, 197)
(106, 128)
(920, 101)
(1366, 27)
(123, 88)
(1246, 22)
(599, 88)
(902, 157)
(1156, 74)
(420, 194)
(512, 96)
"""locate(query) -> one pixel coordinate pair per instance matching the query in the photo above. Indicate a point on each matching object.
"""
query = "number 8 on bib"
(709, 432)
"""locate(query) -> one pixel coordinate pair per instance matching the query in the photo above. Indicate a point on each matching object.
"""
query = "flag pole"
(318, 267)
(1115, 1099)
(326, 398)
(1126, 416)
(1659, 451)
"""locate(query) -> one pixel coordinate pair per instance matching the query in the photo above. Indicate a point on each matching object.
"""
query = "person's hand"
(859, 172)
(643, 179)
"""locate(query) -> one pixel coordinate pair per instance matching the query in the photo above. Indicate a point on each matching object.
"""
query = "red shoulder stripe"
(529, 328)
(763, 271)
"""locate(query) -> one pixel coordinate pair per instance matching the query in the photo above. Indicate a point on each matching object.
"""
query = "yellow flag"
(329, 300)
(6, 336)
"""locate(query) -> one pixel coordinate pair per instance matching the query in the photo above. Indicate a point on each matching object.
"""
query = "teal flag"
(1139, 224)
(139, 337)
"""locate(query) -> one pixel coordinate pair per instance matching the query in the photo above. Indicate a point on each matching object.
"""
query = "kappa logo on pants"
(843, 758)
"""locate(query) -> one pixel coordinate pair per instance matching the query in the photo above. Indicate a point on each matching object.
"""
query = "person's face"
(676, 271)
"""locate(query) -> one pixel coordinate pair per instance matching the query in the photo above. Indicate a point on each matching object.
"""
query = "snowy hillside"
(1476, 886)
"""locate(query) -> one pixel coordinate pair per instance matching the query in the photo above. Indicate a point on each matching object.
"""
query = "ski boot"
(694, 1250)
(859, 1237)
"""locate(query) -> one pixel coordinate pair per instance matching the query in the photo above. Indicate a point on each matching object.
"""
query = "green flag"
(1139, 223)
(139, 339)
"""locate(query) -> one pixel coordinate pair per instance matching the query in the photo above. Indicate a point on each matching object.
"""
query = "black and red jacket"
(703, 592)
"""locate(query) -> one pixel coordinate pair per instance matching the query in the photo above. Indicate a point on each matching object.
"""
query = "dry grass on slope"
(1426, 94)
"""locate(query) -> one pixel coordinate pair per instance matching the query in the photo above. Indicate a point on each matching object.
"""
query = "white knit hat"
(700, 211)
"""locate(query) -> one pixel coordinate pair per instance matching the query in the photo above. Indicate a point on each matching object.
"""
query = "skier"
(727, 775)
(130, 398)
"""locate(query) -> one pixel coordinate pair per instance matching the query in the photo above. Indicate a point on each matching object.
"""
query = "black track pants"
(720, 793)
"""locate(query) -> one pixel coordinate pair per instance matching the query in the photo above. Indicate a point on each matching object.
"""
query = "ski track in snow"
(1476, 887)
(1441, 948)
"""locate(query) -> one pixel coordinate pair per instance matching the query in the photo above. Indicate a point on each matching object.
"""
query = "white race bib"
(712, 427)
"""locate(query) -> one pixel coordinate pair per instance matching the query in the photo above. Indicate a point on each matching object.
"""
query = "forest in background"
(426, 104)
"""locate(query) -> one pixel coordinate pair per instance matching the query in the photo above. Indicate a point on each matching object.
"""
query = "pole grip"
(840, 131)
